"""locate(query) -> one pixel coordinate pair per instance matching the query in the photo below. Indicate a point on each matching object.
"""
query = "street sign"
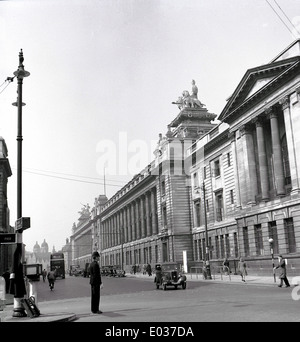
(22, 223)
(7, 238)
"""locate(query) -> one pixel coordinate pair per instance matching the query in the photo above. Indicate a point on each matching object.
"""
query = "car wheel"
(184, 285)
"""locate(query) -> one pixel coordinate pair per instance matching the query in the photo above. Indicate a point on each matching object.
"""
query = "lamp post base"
(19, 310)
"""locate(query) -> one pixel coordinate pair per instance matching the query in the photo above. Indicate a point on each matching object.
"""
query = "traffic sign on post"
(22, 223)
(7, 238)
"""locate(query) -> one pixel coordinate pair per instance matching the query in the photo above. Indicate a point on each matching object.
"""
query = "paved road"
(137, 300)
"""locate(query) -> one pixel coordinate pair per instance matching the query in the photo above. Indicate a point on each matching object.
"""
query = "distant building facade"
(67, 251)
(39, 255)
(84, 238)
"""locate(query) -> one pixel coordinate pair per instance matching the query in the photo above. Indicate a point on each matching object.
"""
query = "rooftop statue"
(194, 90)
(85, 211)
(189, 101)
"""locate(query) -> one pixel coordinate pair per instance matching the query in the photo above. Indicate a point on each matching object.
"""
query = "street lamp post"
(271, 242)
(208, 271)
(19, 310)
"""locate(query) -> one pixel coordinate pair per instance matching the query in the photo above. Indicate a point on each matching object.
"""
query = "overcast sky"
(103, 75)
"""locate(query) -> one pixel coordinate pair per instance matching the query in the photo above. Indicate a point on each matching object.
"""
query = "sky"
(103, 76)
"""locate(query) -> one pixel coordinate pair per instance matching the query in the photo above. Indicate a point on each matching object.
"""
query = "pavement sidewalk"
(49, 309)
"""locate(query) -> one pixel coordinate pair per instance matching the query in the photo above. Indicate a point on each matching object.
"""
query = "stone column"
(285, 103)
(133, 233)
(115, 228)
(277, 153)
(148, 228)
(262, 158)
(236, 170)
(128, 223)
(119, 232)
(124, 222)
(112, 230)
(249, 164)
(103, 242)
(108, 233)
(153, 212)
(137, 219)
(143, 216)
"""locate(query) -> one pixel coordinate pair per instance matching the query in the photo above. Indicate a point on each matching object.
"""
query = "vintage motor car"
(168, 274)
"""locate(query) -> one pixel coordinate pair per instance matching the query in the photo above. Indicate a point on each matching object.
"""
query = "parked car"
(73, 269)
(86, 272)
(119, 272)
(168, 274)
(79, 272)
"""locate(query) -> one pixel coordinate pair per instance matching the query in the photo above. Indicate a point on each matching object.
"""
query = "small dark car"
(167, 274)
(86, 272)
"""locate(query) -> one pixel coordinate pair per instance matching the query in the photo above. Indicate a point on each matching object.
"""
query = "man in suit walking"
(282, 276)
(96, 282)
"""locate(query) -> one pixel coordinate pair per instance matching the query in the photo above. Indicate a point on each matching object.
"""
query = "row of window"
(223, 247)
(133, 257)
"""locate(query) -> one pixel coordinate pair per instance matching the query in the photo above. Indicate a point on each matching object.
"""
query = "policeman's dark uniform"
(95, 281)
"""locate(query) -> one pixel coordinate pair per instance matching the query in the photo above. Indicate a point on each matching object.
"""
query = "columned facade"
(262, 158)
(248, 164)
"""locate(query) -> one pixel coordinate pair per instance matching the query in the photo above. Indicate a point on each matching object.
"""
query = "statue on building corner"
(189, 101)
(194, 90)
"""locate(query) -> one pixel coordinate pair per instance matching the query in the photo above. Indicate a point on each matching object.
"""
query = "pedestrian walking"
(44, 274)
(149, 270)
(204, 270)
(282, 275)
(226, 268)
(96, 283)
(242, 269)
(51, 276)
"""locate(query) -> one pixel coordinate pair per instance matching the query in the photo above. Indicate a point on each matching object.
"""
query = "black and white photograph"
(149, 164)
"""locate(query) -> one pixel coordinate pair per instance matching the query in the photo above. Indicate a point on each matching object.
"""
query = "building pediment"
(256, 84)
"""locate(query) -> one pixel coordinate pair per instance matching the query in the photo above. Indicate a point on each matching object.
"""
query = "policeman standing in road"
(96, 283)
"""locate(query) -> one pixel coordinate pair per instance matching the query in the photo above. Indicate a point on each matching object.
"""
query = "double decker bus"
(57, 264)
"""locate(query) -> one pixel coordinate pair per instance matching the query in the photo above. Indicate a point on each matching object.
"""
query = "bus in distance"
(57, 264)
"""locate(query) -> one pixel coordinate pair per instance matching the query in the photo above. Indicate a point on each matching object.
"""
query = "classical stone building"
(218, 186)
(250, 170)
(149, 219)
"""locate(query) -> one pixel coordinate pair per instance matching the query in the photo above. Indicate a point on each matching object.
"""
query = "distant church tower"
(36, 248)
(44, 247)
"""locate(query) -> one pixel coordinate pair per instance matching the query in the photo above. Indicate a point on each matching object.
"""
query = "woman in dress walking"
(242, 269)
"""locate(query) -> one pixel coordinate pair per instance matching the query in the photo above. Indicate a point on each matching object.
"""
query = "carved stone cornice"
(259, 120)
(245, 129)
(285, 102)
(271, 113)
(298, 93)
(231, 136)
